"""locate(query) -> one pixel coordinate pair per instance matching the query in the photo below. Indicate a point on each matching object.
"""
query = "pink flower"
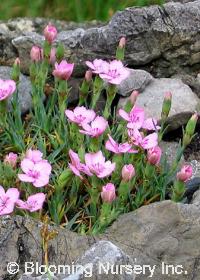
(7, 88)
(36, 54)
(34, 155)
(154, 155)
(185, 173)
(116, 148)
(98, 166)
(34, 202)
(150, 124)
(8, 200)
(80, 115)
(11, 159)
(136, 116)
(96, 128)
(128, 172)
(36, 173)
(76, 166)
(137, 138)
(108, 193)
(115, 73)
(50, 33)
(98, 66)
(64, 70)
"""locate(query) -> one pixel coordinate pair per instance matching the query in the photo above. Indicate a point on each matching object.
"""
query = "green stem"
(111, 92)
(3, 113)
(97, 88)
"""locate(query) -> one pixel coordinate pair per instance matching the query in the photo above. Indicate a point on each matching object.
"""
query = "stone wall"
(161, 39)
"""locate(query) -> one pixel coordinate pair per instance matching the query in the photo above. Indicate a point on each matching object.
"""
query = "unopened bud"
(108, 193)
(15, 74)
(128, 172)
(133, 97)
(52, 58)
(17, 62)
(166, 105)
(36, 54)
(88, 75)
(185, 173)
(121, 49)
(190, 130)
(50, 33)
(191, 125)
(154, 155)
(11, 159)
(122, 42)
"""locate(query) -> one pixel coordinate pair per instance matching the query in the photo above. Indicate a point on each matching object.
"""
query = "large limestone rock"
(137, 80)
(157, 234)
(163, 39)
(184, 101)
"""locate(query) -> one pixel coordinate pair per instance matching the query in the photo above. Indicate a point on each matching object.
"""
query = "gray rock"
(192, 81)
(163, 232)
(74, 84)
(196, 197)
(23, 44)
(162, 39)
(137, 80)
(96, 263)
(195, 168)
(24, 88)
(38, 24)
(184, 101)
(98, 260)
(157, 234)
(170, 150)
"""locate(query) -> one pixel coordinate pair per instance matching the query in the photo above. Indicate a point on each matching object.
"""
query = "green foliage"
(76, 194)
(71, 10)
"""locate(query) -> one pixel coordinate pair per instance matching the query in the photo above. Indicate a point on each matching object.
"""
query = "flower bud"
(121, 49)
(191, 125)
(122, 42)
(128, 172)
(108, 193)
(36, 54)
(185, 173)
(154, 155)
(11, 159)
(52, 58)
(88, 75)
(190, 130)
(15, 74)
(63, 70)
(133, 97)
(166, 105)
(50, 33)
(17, 62)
